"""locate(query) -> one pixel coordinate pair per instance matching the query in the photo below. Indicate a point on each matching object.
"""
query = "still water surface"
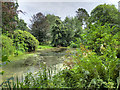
(32, 64)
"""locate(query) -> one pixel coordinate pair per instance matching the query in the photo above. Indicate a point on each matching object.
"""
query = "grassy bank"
(24, 55)
(44, 47)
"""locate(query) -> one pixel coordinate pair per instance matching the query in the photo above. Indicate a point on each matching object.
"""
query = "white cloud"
(61, 9)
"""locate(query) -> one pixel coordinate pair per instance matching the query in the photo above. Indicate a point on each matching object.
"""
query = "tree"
(51, 21)
(105, 14)
(39, 27)
(69, 24)
(59, 35)
(21, 25)
(51, 18)
(9, 16)
(82, 15)
(74, 28)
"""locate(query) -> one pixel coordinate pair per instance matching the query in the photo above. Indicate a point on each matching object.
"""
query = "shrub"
(93, 71)
(6, 50)
(73, 45)
(23, 40)
(99, 36)
(7, 46)
(117, 43)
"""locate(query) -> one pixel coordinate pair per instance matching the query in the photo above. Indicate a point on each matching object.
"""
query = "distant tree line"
(51, 30)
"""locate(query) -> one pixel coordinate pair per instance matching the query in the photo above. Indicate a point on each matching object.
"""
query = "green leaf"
(4, 58)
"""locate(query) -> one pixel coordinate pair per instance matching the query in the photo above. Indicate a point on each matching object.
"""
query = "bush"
(7, 46)
(99, 36)
(117, 43)
(73, 45)
(23, 40)
(90, 70)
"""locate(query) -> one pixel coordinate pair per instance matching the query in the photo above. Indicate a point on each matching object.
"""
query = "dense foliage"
(21, 25)
(23, 40)
(7, 49)
(99, 37)
(39, 27)
(9, 16)
(59, 34)
(74, 27)
(51, 21)
(7, 46)
(105, 14)
(89, 70)
(82, 16)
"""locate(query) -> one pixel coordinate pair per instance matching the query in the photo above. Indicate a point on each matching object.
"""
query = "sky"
(61, 8)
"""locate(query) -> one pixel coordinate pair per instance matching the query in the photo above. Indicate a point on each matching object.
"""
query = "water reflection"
(32, 64)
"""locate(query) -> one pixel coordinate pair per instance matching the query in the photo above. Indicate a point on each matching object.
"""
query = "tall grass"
(86, 70)
(45, 78)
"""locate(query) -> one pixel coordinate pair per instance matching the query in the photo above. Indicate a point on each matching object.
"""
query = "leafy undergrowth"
(89, 70)
(84, 69)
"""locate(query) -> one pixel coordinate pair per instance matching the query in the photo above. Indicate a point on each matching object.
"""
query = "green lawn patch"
(44, 47)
